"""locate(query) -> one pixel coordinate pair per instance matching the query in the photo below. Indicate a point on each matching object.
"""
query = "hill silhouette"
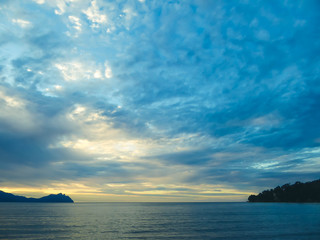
(298, 192)
(52, 198)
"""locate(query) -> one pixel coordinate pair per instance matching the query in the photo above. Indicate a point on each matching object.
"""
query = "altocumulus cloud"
(193, 100)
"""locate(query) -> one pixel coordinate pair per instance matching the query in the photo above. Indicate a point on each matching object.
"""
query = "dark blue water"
(159, 221)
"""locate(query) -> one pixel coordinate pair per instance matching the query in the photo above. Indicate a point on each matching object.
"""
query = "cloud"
(76, 22)
(39, 1)
(61, 5)
(22, 23)
(142, 98)
(94, 15)
(107, 71)
(15, 115)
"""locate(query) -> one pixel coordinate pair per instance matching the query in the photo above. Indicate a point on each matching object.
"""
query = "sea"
(160, 221)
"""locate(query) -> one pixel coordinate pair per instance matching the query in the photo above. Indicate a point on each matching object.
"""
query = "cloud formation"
(194, 100)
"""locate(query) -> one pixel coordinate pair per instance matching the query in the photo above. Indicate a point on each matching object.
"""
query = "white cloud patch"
(72, 71)
(77, 71)
(22, 23)
(61, 5)
(107, 71)
(94, 15)
(97, 74)
(39, 1)
(76, 23)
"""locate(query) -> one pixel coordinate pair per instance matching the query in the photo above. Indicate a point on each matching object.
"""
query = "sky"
(140, 100)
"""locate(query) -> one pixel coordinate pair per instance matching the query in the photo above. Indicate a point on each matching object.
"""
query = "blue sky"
(158, 100)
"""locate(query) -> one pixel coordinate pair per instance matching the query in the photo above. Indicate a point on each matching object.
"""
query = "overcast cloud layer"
(158, 100)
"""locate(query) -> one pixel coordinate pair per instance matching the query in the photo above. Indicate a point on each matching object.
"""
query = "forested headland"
(298, 192)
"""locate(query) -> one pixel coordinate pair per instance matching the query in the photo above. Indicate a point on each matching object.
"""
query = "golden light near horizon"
(138, 192)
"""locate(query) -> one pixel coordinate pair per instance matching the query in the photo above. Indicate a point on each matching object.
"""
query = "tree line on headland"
(298, 192)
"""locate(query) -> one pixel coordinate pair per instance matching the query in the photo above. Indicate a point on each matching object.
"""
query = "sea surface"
(160, 221)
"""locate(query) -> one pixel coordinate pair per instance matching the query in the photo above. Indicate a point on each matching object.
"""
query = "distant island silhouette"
(298, 192)
(52, 198)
